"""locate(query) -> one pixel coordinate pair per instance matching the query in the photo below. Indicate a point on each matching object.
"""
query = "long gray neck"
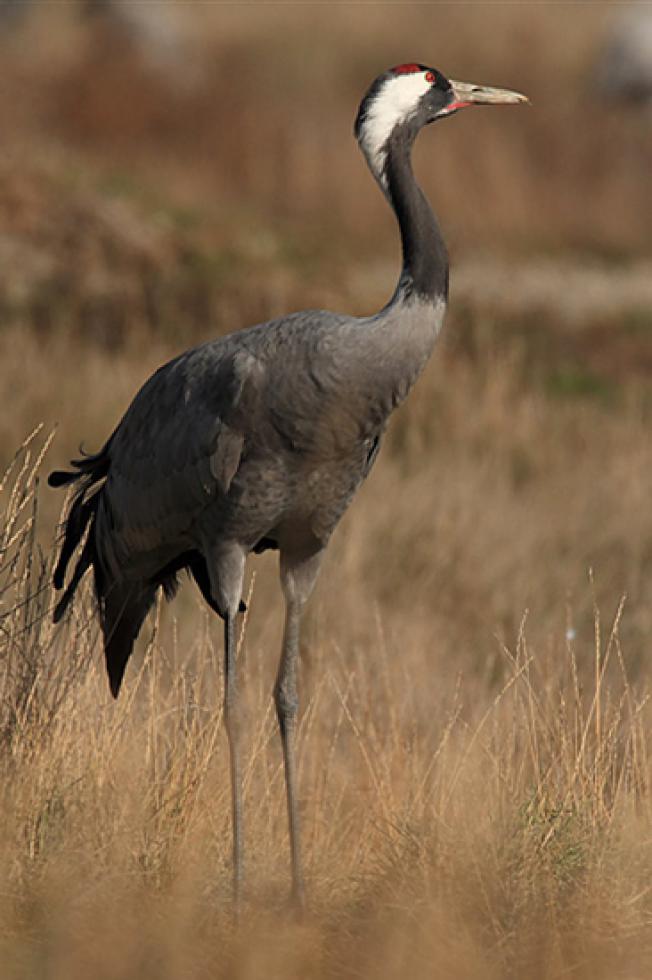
(384, 354)
(425, 259)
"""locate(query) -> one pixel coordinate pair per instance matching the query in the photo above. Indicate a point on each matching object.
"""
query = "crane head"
(411, 96)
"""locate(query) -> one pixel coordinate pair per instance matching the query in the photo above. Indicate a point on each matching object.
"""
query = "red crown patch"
(406, 69)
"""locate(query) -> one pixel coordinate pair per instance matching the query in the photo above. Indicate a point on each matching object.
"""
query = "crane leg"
(226, 572)
(298, 579)
(232, 722)
(287, 705)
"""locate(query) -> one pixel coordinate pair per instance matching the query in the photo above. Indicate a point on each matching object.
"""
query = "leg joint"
(287, 702)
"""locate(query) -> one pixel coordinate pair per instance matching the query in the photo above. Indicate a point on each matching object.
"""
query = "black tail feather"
(83, 564)
(80, 520)
(123, 605)
(94, 465)
(122, 610)
(61, 478)
(80, 514)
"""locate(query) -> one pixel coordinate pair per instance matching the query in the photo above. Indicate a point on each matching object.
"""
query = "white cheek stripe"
(397, 99)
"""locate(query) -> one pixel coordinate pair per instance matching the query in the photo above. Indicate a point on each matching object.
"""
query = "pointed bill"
(467, 94)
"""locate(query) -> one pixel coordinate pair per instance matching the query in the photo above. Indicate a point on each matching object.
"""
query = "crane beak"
(467, 94)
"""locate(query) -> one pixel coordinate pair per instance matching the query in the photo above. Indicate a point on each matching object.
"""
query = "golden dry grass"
(467, 812)
(474, 749)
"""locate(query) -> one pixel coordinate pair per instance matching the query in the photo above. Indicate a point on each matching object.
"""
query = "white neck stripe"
(397, 100)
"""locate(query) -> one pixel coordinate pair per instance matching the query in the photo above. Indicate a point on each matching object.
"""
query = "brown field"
(475, 768)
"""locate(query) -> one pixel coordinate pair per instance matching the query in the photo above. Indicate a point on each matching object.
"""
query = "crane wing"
(177, 449)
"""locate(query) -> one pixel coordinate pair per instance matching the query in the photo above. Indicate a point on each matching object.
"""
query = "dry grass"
(474, 751)
(461, 819)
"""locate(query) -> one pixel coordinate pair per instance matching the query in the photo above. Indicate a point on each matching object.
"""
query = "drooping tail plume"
(90, 470)
(122, 605)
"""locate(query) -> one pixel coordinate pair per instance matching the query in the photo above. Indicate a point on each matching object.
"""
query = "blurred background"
(474, 751)
(173, 171)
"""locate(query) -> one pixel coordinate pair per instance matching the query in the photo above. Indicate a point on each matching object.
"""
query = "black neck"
(425, 259)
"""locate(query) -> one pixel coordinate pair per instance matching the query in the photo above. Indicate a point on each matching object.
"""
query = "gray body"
(261, 439)
(257, 440)
(286, 419)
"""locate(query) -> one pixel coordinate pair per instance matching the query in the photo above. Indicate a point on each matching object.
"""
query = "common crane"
(261, 438)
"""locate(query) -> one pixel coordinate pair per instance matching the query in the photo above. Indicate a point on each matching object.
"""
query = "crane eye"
(430, 76)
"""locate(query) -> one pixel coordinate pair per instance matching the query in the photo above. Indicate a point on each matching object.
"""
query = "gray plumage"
(260, 439)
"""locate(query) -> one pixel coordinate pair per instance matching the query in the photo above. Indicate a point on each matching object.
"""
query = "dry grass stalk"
(496, 832)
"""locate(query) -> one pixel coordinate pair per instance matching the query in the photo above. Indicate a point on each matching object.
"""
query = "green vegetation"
(574, 382)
